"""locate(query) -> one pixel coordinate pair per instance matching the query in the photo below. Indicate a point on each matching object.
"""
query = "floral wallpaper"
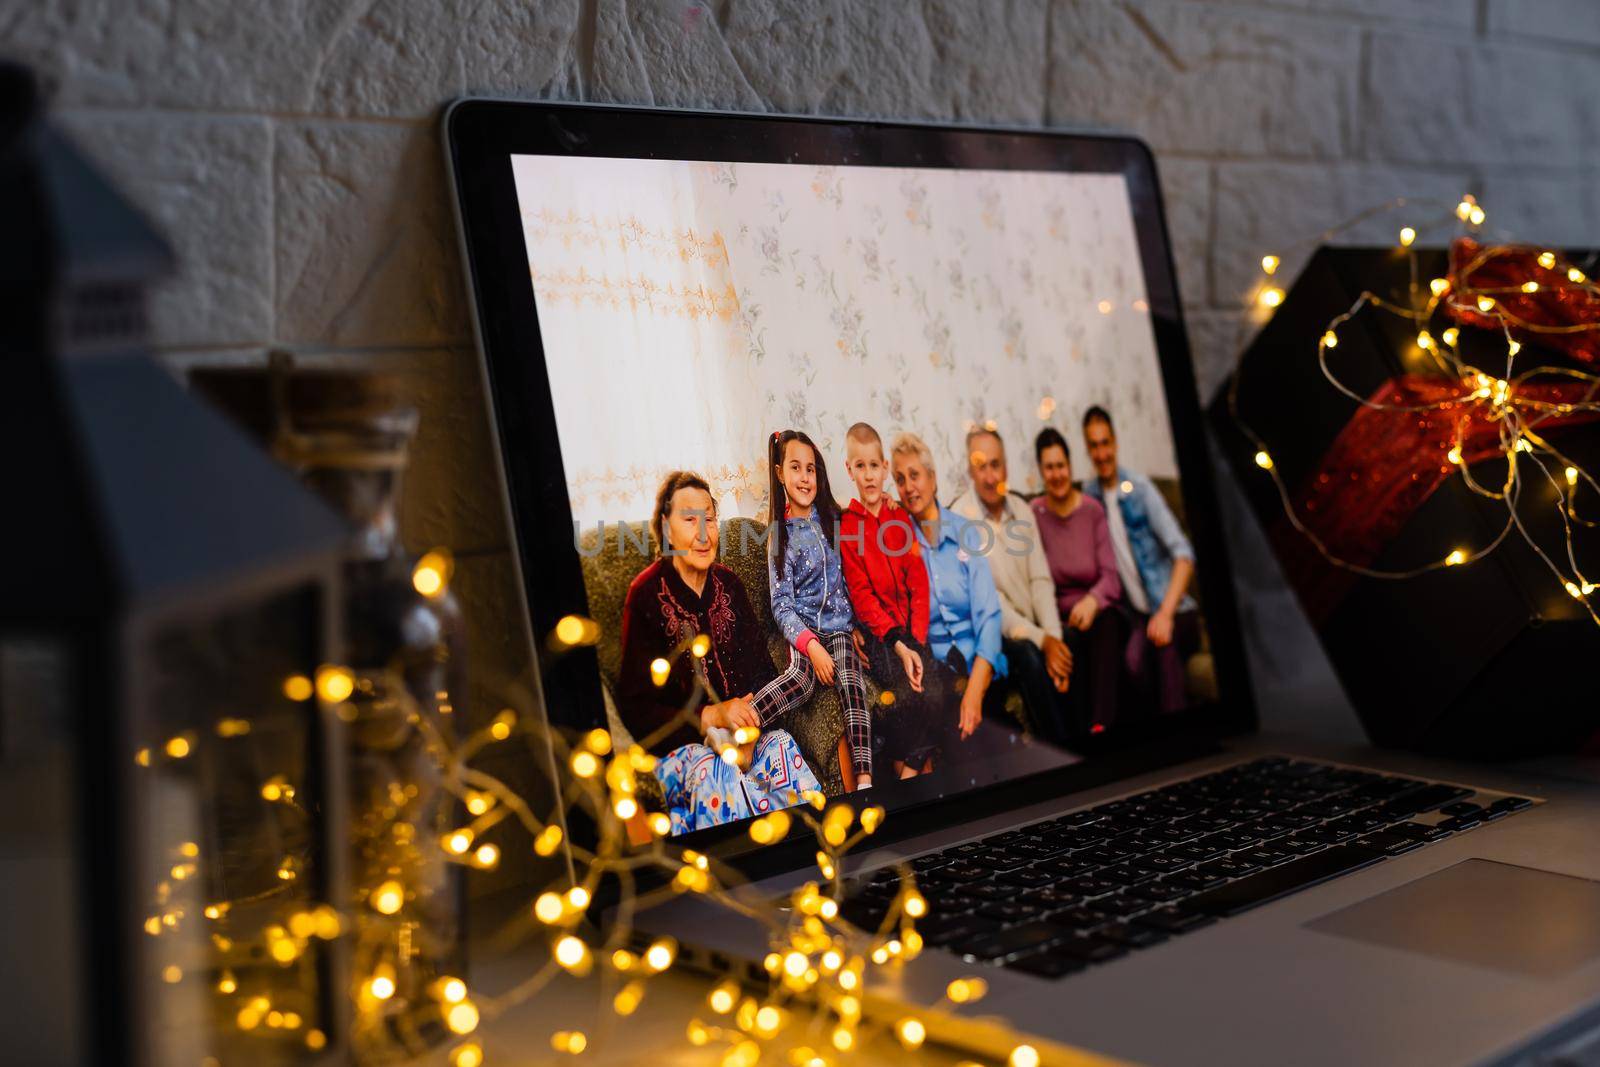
(690, 309)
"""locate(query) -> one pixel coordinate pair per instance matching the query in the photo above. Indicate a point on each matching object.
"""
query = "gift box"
(1351, 455)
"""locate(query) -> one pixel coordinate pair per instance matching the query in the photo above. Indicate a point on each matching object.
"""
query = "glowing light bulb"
(1464, 209)
(569, 631)
(1024, 1056)
(488, 855)
(626, 1002)
(1439, 286)
(585, 764)
(721, 998)
(227, 983)
(700, 646)
(457, 842)
(1576, 593)
(1269, 264)
(1455, 558)
(767, 1021)
(388, 898)
(1547, 260)
(1104, 307)
(1454, 455)
(1330, 340)
(1270, 297)
(1572, 475)
(1576, 276)
(916, 906)
(659, 670)
(548, 841)
(381, 987)
(468, 1055)
(427, 580)
(1450, 335)
(1407, 235)
(571, 952)
(1424, 340)
(1263, 461)
(597, 741)
(659, 956)
(335, 684)
(1530, 287)
(178, 747)
(297, 687)
(660, 823)
(1476, 216)
(462, 1018)
(548, 908)
(578, 897)
(500, 728)
(452, 990)
(1486, 304)
(478, 803)
(911, 1033)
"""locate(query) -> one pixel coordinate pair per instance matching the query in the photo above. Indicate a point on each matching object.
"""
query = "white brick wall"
(292, 156)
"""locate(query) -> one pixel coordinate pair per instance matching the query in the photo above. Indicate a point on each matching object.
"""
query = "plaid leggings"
(790, 690)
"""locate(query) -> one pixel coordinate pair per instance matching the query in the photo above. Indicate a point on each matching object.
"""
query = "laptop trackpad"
(1519, 919)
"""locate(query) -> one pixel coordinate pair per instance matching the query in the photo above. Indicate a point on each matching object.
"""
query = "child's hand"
(912, 664)
(821, 662)
(861, 644)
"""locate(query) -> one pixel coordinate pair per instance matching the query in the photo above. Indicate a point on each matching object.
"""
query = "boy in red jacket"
(888, 584)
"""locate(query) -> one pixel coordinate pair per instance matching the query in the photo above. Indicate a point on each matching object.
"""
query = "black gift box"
(1487, 660)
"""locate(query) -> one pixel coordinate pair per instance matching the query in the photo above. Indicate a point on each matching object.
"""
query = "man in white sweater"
(1040, 662)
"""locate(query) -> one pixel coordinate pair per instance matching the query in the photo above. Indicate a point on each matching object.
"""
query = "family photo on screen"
(866, 559)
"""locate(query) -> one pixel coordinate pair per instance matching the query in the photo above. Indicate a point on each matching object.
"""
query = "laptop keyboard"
(1055, 897)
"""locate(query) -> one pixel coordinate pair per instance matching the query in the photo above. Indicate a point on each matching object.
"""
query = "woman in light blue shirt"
(964, 627)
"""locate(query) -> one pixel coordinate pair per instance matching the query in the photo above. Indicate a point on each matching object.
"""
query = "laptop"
(695, 314)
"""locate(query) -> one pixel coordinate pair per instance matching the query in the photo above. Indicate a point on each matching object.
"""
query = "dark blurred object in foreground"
(166, 589)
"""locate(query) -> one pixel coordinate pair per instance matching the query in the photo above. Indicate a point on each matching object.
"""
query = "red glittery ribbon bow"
(1561, 313)
(1385, 463)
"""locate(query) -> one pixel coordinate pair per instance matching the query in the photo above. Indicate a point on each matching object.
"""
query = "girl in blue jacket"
(809, 599)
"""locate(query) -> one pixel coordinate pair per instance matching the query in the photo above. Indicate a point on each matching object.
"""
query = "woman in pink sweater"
(1077, 544)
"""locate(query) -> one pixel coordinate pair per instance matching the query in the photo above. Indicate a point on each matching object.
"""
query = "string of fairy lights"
(817, 968)
(1506, 396)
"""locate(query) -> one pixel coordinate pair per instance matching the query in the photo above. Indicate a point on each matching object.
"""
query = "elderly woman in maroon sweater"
(1077, 544)
(686, 593)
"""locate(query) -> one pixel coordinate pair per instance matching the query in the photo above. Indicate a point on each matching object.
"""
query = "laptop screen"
(870, 469)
